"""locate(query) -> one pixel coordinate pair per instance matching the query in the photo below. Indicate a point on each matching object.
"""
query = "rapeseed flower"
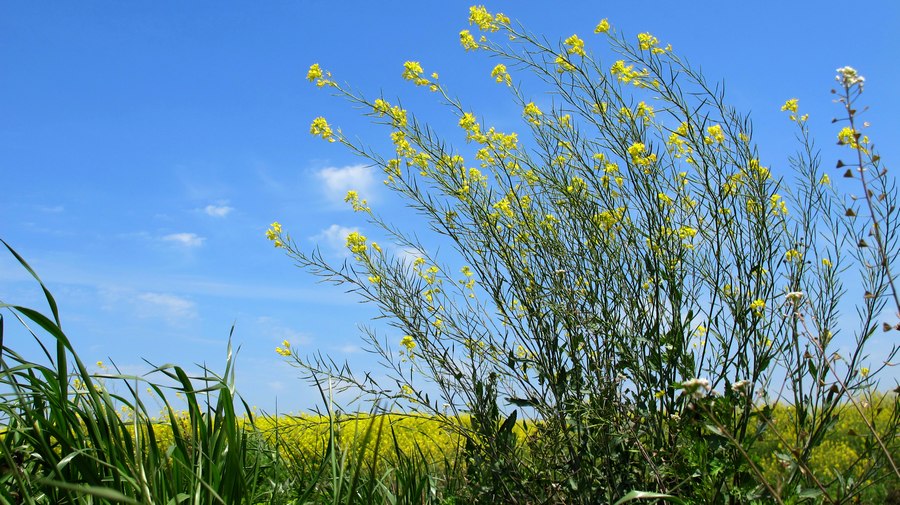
(467, 40)
(356, 243)
(602, 26)
(758, 306)
(320, 128)
(500, 74)
(790, 105)
(576, 45)
(532, 113)
(408, 342)
(716, 135)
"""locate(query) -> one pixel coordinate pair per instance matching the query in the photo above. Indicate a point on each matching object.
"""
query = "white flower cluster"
(696, 387)
(848, 76)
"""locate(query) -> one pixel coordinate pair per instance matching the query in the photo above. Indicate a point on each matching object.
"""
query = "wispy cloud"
(348, 349)
(217, 210)
(173, 309)
(408, 255)
(279, 332)
(337, 181)
(185, 239)
(334, 238)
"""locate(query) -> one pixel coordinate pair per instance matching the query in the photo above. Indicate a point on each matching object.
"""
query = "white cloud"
(279, 332)
(348, 349)
(408, 255)
(185, 239)
(166, 306)
(337, 181)
(334, 238)
(217, 210)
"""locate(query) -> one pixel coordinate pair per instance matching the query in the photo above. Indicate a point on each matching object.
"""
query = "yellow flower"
(412, 71)
(532, 113)
(576, 45)
(273, 232)
(715, 135)
(320, 127)
(467, 40)
(563, 64)
(792, 254)
(848, 136)
(353, 199)
(315, 72)
(647, 41)
(644, 111)
(825, 180)
(285, 350)
(408, 342)
(826, 262)
(627, 73)
(602, 26)
(480, 17)
(790, 105)
(864, 371)
(758, 306)
(501, 75)
(356, 243)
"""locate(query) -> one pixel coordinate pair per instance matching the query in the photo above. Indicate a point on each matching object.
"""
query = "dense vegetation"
(642, 311)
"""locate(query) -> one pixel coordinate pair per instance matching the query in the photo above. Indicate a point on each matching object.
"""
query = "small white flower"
(740, 386)
(848, 76)
(794, 296)
(696, 387)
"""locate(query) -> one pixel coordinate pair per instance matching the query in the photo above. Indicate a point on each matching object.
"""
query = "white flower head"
(794, 296)
(696, 387)
(740, 386)
(848, 76)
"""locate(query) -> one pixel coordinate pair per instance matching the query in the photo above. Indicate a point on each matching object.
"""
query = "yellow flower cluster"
(484, 20)
(576, 45)
(792, 254)
(849, 136)
(650, 43)
(467, 40)
(627, 73)
(532, 113)
(500, 74)
(677, 142)
(274, 234)
(757, 307)
(790, 105)
(715, 135)
(358, 205)
(408, 342)
(285, 350)
(356, 243)
(320, 128)
(563, 65)
(602, 26)
(639, 156)
(321, 78)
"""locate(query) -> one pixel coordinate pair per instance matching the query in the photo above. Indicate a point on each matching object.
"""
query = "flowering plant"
(626, 272)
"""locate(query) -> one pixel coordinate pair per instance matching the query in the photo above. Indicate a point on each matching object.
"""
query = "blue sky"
(145, 148)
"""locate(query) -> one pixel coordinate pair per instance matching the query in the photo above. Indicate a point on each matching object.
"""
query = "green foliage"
(632, 277)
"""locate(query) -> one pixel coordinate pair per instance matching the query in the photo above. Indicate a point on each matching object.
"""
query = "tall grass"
(68, 436)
